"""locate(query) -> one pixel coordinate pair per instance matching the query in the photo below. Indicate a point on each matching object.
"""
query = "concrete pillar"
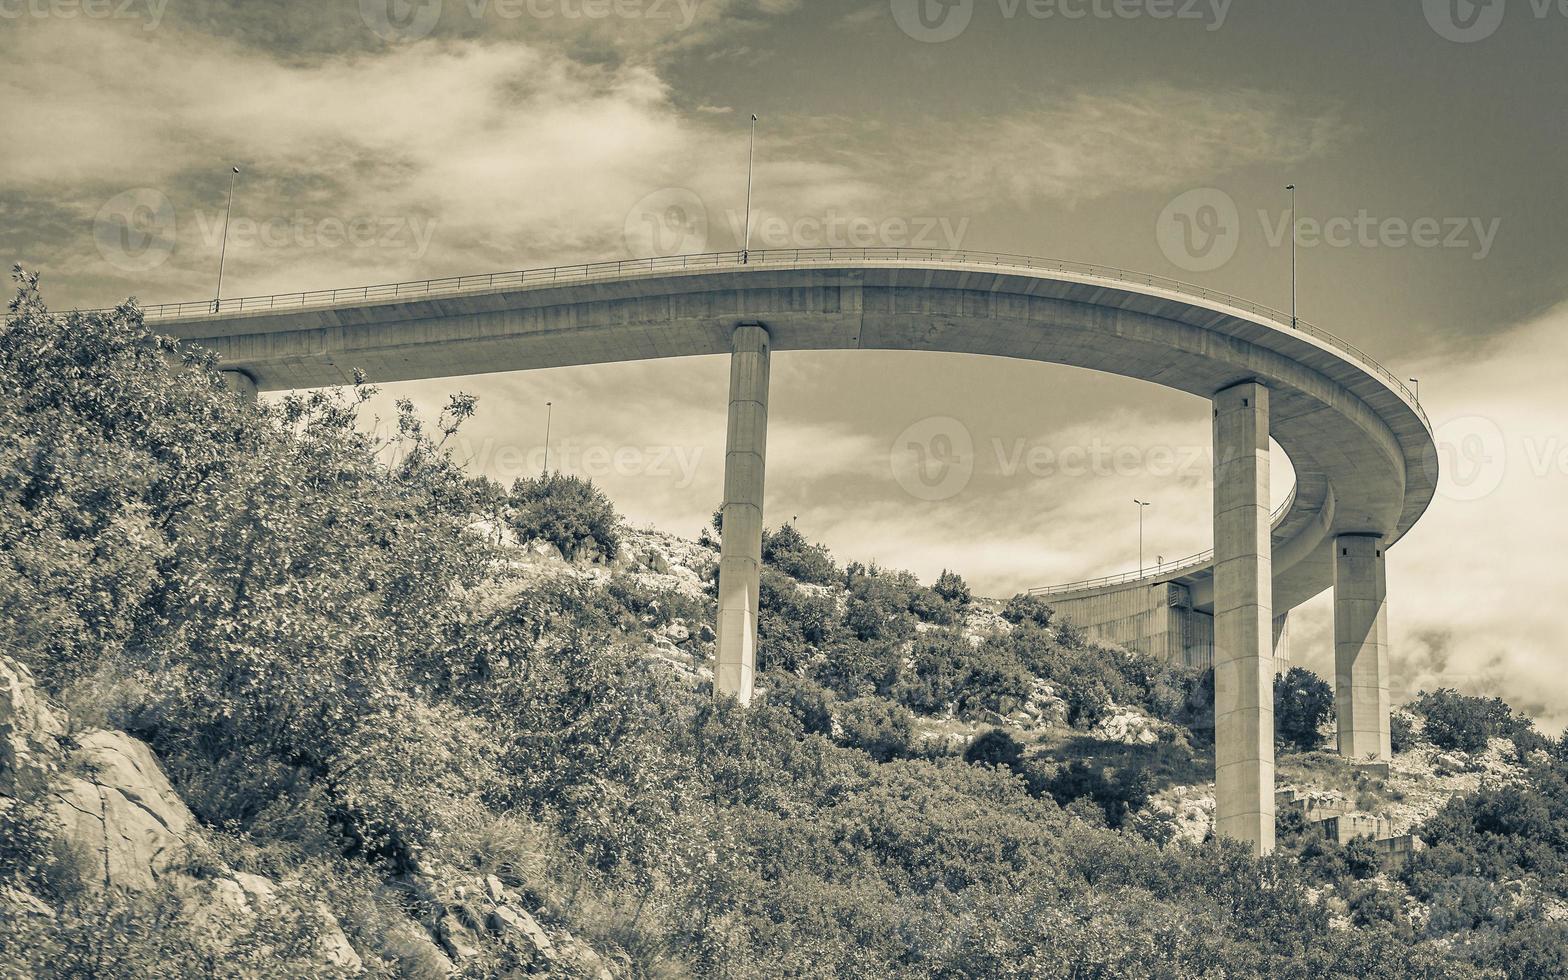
(1282, 643)
(241, 384)
(740, 560)
(1361, 647)
(1243, 619)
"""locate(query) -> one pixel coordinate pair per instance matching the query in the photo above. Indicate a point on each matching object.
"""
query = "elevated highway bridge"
(1362, 449)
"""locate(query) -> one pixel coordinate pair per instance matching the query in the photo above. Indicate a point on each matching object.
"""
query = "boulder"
(519, 930)
(29, 732)
(1128, 728)
(121, 810)
(494, 889)
(416, 954)
(582, 960)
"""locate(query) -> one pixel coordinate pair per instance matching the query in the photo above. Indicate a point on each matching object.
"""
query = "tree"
(952, 588)
(1026, 608)
(1302, 703)
(567, 511)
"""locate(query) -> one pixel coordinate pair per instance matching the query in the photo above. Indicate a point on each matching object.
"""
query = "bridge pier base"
(740, 559)
(242, 384)
(1243, 619)
(1361, 647)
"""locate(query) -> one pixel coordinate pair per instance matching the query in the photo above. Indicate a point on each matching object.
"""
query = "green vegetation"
(566, 511)
(1303, 702)
(296, 626)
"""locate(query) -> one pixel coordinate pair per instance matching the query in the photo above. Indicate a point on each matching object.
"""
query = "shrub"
(808, 702)
(952, 588)
(792, 623)
(877, 727)
(1302, 703)
(567, 511)
(1117, 795)
(854, 668)
(995, 748)
(787, 550)
(1401, 733)
(1026, 608)
(1462, 722)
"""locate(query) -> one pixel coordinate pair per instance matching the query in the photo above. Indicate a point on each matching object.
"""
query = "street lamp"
(751, 152)
(549, 412)
(217, 299)
(1291, 187)
(1417, 383)
(1141, 505)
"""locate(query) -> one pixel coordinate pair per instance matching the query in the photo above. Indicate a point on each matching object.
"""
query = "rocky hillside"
(286, 692)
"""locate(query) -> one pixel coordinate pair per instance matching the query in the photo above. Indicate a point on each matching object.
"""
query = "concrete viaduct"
(1362, 449)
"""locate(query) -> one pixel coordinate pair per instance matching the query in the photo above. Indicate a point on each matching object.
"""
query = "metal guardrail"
(588, 271)
(1164, 571)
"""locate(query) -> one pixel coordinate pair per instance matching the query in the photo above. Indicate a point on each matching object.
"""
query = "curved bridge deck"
(1359, 442)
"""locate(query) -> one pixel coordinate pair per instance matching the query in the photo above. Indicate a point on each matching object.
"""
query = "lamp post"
(751, 152)
(1292, 189)
(549, 412)
(1141, 505)
(217, 299)
(1417, 383)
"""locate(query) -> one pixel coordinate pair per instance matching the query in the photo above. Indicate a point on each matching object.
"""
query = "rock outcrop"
(115, 807)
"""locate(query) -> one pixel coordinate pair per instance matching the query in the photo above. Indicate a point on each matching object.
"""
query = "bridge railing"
(1165, 570)
(588, 271)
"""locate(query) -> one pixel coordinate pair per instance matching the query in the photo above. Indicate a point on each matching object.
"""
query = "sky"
(388, 140)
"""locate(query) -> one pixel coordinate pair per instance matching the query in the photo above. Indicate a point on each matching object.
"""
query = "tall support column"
(740, 560)
(1361, 647)
(1243, 619)
(1282, 643)
(241, 384)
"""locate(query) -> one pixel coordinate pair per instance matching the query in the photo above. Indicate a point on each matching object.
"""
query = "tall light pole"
(217, 299)
(549, 412)
(1141, 505)
(1292, 189)
(751, 153)
(1417, 383)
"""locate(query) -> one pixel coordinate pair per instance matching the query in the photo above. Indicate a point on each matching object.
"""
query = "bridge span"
(1362, 449)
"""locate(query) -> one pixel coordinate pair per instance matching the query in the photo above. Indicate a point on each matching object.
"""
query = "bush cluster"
(566, 511)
